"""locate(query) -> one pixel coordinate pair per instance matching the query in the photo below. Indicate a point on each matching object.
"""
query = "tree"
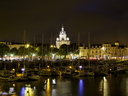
(4, 49)
(14, 51)
(43, 50)
(73, 48)
(21, 51)
(55, 50)
(63, 50)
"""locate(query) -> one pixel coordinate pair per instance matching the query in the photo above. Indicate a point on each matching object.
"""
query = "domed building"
(62, 39)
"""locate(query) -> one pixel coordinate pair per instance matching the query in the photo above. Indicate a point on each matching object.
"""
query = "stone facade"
(62, 39)
(106, 51)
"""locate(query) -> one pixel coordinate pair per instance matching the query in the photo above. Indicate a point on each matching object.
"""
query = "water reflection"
(5, 89)
(104, 88)
(59, 86)
(81, 87)
(126, 86)
(49, 89)
(28, 90)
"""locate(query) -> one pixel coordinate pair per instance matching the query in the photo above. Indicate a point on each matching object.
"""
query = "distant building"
(62, 39)
(5, 42)
(12, 45)
(94, 52)
(17, 46)
(106, 51)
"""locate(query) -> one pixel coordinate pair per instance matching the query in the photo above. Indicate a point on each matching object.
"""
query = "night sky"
(106, 20)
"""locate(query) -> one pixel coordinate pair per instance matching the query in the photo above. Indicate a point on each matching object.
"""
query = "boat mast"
(34, 52)
(51, 49)
(24, 41)
(42, 49)
(89, 49)
(78, 48)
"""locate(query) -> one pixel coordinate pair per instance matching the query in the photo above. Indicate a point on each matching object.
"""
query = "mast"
(78, 48)
(89, 49)
(34, 52)
(51, 48)
(24, 41)
(42, 49)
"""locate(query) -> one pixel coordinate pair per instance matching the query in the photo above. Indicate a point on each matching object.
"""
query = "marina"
(64, 80)
(28, 73)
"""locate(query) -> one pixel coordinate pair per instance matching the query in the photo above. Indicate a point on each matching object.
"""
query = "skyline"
(106, 20)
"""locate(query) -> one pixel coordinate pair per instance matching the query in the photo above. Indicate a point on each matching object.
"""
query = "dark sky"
(106, 20)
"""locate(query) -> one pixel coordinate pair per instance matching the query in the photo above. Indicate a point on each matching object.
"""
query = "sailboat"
(89, 71)
(44, 71)
(55, 71)
(100, 71)
(80, 71)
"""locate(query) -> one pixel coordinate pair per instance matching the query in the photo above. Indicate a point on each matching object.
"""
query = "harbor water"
(111, 85)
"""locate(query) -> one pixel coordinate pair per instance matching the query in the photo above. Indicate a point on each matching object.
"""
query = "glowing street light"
(27, 45)
(33, 54)
(11, 55)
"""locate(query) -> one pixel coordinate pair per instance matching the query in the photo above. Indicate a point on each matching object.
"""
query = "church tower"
(62, 39)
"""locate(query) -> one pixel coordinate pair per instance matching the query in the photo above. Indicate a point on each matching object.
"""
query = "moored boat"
(68, 73)
(33, 77)
(45, 72)
(89, 73)
(12, 78)
(101, 72)
(56, 72)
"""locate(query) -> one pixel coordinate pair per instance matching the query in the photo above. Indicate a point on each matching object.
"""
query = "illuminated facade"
(94, 52)
(62, 39)
(106, 51)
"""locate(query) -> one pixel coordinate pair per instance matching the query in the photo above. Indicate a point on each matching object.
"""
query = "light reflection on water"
(59, 86)
(81, 87)
(106, 87)
(126, 85)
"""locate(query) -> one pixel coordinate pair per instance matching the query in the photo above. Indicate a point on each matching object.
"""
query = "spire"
(62, 28)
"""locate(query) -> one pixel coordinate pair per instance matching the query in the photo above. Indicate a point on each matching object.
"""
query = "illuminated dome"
(62, 39)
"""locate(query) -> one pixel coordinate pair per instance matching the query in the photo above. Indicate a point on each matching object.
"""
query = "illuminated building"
(105, 51)
(62, 39)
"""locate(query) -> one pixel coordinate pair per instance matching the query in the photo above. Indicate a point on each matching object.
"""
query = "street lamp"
(27, 45)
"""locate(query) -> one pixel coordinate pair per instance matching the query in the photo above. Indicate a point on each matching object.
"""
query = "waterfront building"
(104, 51)
(62, 39)
(95, 51)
